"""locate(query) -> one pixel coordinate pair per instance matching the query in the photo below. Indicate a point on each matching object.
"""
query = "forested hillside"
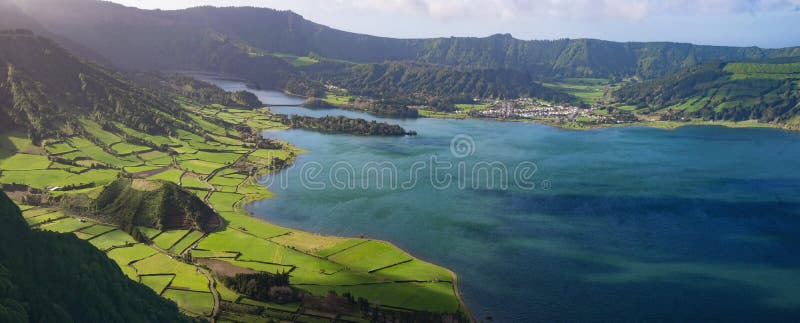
(54, 277)
(45, 90)
(233, 39)
(765, 90)
(392, 79)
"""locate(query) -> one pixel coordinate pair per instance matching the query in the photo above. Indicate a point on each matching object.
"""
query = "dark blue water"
(622, 224)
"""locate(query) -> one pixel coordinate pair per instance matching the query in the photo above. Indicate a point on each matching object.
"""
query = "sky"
(763, 23)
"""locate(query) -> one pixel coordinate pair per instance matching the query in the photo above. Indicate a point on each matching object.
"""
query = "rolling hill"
(44, 90)
(767, 90)
(200, 37)
(155, 204)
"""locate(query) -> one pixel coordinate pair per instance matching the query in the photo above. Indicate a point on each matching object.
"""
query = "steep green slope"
(44, 90)
(195, 38)
(765, 90)
(155, 204)
(52, 277)
(198, 91)
(393, 79)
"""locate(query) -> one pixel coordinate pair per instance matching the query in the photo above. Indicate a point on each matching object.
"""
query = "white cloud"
(618, 9)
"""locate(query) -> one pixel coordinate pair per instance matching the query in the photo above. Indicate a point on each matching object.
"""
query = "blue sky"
(765, 23)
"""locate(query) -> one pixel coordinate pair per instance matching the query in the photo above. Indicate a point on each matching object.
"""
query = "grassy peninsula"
(165, 202)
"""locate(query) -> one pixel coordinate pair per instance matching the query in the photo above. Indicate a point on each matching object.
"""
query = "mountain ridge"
(274, 31)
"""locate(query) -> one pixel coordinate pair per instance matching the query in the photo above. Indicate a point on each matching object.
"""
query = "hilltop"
(160, 205)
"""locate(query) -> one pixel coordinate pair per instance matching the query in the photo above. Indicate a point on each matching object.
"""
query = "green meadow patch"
(193, 181)
(24, 162)
(370, 256)
(167, 239)
(223, 201)
(434, 297)
(169, 175)
(186, 242)
(186, 276)
(157, 283)
(58, 148)
(65, 225)
(124, 148)
(201, 303)
(44, 218)
(96, 131)
(200, 166)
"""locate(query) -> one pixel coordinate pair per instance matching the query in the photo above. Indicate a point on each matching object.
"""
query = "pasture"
(24, 162)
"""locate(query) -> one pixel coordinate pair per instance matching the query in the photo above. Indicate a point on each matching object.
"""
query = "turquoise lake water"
(621, 224)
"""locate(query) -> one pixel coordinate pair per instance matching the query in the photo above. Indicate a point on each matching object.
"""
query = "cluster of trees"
(340, 124)
(207, 93)
(54, 277)
(715, 94)
(263, 287)
(393, 108)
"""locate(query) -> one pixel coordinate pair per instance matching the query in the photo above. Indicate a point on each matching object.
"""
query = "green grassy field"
(187, 241)
(96, 131)
(157, 282)
(65, 225)
(170, 175)
(222, 201)
(369, 256)
(246, 242)
(193, 302)
(116, 238)
(57, 148)
(127, 148)
(167, 239)
(24, 162)
(186, 276)
(587, 90)
(435, 297)
(295, 60)
(200, 166)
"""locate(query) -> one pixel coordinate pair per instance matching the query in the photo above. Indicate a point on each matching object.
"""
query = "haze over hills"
(201, 37)
(45, 90)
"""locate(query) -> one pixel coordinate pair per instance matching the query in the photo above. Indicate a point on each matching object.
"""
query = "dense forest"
(207, 93)
(765, 90)
(44, 90)
(340, 124)
(405, 79)
(54, 277)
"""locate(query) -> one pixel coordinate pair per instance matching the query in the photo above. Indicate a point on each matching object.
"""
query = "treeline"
(415, 80)
(263, 287)
(710, 91)
(54, 277)
(340, 124)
